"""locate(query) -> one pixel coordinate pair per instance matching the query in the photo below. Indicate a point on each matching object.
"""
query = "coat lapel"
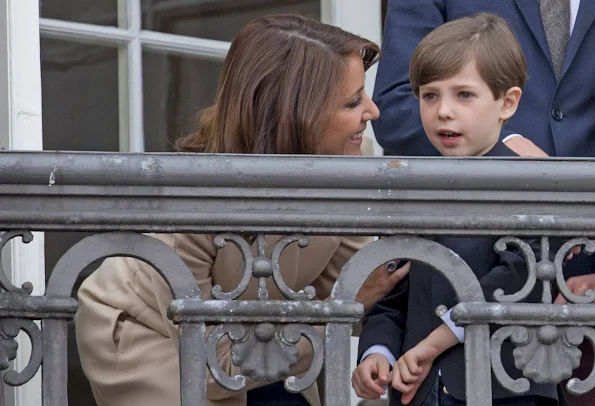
(530, 12)
(584, 21)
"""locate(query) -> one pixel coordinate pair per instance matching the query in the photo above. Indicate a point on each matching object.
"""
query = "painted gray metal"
(286, 194)
(241, 198)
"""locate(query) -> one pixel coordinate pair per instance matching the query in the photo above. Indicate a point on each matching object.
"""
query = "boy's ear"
(510, 102)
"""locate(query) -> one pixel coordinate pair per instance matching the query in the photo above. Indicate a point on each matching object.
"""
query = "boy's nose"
(445, 111)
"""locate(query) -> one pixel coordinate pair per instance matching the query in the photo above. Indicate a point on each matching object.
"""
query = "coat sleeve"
(347, 246)
(398, 129)
(384, 324)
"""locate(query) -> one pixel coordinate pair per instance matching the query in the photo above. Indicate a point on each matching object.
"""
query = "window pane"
(175, 89)
(79, 96)
(101, 12)
(218, 19)
(80, 112)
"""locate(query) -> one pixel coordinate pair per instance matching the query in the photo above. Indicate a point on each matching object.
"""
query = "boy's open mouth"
(449, 135)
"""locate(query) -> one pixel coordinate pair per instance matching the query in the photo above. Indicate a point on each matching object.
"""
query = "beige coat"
(128, 346)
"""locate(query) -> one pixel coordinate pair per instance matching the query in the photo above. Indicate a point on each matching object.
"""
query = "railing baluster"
(193, 364)
(478, 376)
(337, 366)
(55, 362)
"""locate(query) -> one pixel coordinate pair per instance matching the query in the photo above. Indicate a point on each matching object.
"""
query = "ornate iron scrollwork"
(261, 267)
(263, 351)
(9, 329)
(545, 354)
(5, 284)
(545, 270)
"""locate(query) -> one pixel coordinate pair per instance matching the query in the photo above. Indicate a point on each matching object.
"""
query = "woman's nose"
(372, 112)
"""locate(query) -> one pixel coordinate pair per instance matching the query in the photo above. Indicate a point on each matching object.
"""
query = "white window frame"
(20, 118)
(20, 112)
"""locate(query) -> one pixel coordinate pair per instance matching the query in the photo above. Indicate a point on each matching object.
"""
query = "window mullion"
(84, 33)
(130, 79)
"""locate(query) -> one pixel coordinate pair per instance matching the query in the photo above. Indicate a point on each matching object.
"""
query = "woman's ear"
(510, 102)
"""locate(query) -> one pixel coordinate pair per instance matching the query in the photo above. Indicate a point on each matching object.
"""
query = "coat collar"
(500, 149)
(530, 11)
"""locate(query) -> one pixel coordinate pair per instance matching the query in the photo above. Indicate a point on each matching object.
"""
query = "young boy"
(468, 75)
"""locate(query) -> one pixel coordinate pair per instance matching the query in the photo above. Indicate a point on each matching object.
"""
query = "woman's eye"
(355, 103)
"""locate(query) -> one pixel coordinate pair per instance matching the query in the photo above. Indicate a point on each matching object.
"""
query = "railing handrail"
(283, 194)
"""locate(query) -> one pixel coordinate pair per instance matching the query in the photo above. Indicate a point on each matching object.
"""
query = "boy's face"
(460, 115)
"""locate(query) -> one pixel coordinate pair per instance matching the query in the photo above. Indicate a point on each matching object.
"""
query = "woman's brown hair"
(275, 89)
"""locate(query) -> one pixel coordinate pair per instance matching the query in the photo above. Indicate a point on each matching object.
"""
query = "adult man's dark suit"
(406, 316)
(558, 117)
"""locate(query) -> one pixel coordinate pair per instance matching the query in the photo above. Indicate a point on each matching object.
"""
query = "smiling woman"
(304, 94)
(289, 85)
(353, 109)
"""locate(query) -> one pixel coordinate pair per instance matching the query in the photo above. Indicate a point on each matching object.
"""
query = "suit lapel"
(584, 21)
(530, 11)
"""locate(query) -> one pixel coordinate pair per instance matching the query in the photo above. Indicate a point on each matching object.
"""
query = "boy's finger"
(398, 383)
(412, 366)
(408, 396)
(367, 381)
(406, 375)
(384, 374)
(361, 390)
(560, 299)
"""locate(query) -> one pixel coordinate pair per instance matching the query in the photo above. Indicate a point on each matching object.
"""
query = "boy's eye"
(429, 96)
(465, 95)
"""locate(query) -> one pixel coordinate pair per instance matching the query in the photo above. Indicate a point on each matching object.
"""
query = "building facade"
(120, 75)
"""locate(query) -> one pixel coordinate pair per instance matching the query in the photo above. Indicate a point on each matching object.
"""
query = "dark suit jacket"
(407, 315)
(571, 133)
(558, 117)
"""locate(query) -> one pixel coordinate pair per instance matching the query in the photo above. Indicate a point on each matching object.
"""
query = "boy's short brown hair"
(485, 38)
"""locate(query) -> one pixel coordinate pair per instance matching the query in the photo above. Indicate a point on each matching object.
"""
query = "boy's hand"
(578, 285)
(412, 369)
(370, 375)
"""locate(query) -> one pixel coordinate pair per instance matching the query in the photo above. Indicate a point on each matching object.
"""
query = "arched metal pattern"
(436, 256)
(147, 249)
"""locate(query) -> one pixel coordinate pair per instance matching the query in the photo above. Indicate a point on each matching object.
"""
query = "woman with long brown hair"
(289, 85)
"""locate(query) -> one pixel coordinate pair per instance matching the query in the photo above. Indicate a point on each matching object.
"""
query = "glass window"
(219, 19)
(175, 90)
(79, 96)
(99, 12)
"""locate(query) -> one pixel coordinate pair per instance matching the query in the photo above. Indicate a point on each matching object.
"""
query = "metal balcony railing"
(119, 196)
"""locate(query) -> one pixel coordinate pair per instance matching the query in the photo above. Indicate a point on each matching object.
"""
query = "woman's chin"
(352, 150)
